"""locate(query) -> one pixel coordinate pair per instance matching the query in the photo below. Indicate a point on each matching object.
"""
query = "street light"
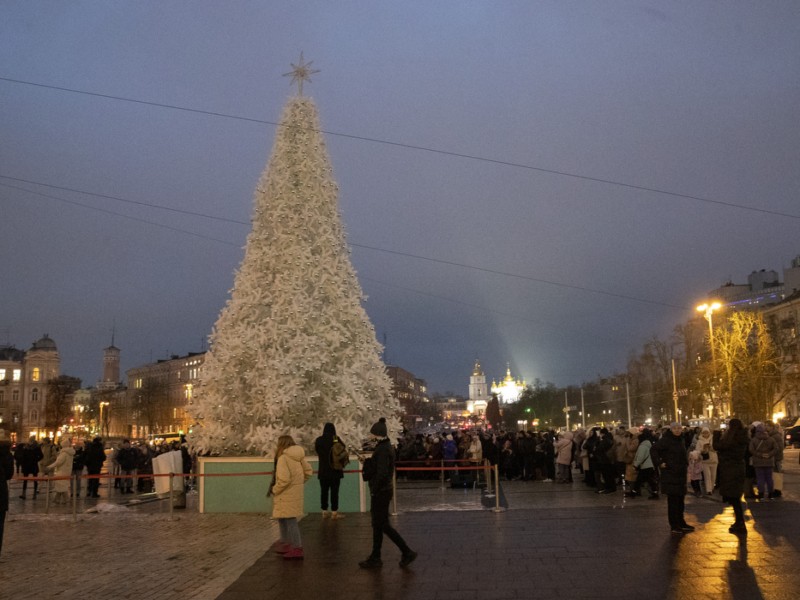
(708, 310)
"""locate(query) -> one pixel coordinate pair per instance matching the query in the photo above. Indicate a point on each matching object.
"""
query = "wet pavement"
(554, 540)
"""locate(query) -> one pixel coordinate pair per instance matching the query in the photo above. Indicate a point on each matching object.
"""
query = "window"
(17, 374)
(36, 374)
(15, 396)
(34, 416)
(2, 398)
(35, 395)
(2, 374)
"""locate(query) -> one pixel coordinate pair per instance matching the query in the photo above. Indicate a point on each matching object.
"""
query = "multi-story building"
(158, 396)
(783, 320)
(478, 391)
(763, 288)
(409, 389)
(23, 387)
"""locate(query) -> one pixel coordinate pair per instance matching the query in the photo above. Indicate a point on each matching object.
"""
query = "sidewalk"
(555, 540)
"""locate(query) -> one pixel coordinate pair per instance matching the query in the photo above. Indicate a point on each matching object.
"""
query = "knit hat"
(379, 429)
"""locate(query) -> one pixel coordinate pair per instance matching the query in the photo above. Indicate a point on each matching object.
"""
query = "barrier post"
(496, 489)
(441, 473)
(75, 481)
(47, 495)
(171, 502)
(394, 492)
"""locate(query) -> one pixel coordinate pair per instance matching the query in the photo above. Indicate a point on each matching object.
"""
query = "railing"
(491, 476)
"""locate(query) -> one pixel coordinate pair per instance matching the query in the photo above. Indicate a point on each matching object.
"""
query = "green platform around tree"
(223, 491)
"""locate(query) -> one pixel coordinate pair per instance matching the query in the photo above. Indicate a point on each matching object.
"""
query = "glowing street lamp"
(708, 309)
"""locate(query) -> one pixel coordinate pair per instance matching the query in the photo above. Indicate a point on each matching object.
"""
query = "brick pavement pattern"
(555, 541)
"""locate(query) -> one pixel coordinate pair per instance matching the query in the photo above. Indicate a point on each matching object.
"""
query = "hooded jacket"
(291, 472)
(563, 447)
(62, 467)
(762, 449)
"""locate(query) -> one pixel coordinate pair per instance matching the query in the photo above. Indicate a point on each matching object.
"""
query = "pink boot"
(280, 547)
(294, 553)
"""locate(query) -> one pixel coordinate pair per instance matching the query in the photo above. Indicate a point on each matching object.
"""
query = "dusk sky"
(543, 184)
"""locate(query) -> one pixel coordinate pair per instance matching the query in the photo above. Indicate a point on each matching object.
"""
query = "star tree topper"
(301, 72)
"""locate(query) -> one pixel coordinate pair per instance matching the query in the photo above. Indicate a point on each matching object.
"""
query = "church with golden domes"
(509, 389)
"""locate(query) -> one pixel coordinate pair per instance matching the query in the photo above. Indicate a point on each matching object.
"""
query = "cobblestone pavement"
(554, 540)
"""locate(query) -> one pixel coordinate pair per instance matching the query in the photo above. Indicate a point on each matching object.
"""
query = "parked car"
(792, 435)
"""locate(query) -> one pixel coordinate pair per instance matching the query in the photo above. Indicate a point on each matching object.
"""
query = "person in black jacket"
(329, 478)
(94, 458)
(6, 473)
(128, 458)
(379, 475)
(31, 455)
(672, 460)
(731, 448)
(603, 451)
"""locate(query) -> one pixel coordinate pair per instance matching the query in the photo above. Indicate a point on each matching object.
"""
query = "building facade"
(478, 391)
(23, 387)
(158, 396)
(783, 321)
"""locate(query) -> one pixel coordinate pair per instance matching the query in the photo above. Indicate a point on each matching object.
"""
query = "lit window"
(36, 374)
(17, 374)
(2, 374)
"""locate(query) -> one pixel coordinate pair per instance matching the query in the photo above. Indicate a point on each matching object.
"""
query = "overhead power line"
(474, 157)
(355, 245)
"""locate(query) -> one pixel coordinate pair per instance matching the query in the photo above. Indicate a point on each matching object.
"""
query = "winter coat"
(450, 450)
(777, 435)
(706, 444)
(563, 447)
(475, 452)
(669, 455)
(731, 448)
(49, 454)
(291, 473)
(383, 460)
(323, 446)
(62, 467)
(642, 459)
(31, 455)
(762, 449)
(95, 456)
(620, 446)
(6, 473)
(128, 458)
(600, 452)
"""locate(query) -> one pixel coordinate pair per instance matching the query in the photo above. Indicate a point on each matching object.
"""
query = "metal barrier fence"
(491, 476)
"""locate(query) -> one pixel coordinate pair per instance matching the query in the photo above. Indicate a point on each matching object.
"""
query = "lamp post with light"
(708, 310)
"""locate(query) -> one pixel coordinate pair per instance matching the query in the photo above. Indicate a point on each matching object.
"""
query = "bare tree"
(59, 394)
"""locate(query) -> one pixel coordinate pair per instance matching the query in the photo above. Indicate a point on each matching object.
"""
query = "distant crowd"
(131, 465)
(605, 457)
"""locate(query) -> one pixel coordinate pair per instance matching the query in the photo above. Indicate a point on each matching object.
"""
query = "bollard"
(441, 473)
(47, 495)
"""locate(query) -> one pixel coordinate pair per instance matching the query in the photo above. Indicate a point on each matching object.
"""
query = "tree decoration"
(293, 347)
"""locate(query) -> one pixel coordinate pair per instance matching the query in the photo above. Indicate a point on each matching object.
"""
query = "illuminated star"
(301, 72)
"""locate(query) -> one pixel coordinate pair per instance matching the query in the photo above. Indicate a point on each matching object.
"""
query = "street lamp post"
(708, 310)
(102, 404)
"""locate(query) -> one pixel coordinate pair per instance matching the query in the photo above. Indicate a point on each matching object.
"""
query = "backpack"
(339, 455)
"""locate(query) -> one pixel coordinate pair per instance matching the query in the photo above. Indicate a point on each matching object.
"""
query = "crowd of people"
(131, 465)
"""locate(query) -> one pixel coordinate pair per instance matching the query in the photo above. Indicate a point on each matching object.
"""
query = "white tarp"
(169, 462)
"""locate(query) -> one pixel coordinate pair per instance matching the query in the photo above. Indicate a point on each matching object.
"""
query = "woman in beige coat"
(62, 467)
(291, 472)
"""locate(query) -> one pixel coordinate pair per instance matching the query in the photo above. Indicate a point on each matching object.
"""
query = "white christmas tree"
(293, 347)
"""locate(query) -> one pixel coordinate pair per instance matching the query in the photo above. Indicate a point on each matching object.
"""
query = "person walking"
(645, 470)
(6, 473)
(290, 474)
(378, 471)
(61, 467)
(763, 450)
(669, 453)
(31, 456)
(330, 449)
(127, 459)
(95, 457)
(731, 448)
(705, 446)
